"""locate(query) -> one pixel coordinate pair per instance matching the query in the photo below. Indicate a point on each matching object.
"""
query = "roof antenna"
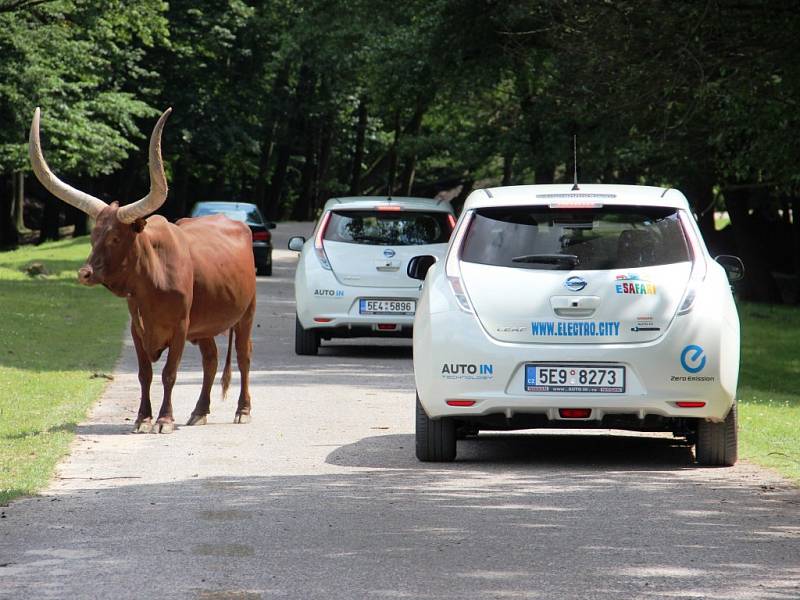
(575, 162)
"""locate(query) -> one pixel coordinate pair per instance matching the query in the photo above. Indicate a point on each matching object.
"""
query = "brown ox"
(191, 280)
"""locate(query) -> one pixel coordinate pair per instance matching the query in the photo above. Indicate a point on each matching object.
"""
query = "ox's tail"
(226, 372)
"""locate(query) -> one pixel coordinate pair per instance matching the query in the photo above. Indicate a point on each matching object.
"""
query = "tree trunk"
(302, 207)
(277, 181)
(19, 203)
(358, 153)
(393, 155)
(758, 283)
(508, 168)
(410, 167)
(270, 128)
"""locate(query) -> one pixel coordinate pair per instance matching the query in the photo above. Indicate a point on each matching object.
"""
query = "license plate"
(598, 379)
(386, 307)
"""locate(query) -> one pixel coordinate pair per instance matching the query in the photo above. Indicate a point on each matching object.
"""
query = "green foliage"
(768, 384)
(58, 337)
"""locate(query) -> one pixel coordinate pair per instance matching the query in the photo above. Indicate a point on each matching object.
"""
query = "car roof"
(407, 203)
(626, 195)
(225, 205)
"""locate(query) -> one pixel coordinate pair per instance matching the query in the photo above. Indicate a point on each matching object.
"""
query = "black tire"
(436, 438)
(306, 341)
(718, 443)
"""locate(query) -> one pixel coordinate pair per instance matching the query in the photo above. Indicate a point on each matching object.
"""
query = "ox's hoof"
(164, 426)
(241, 418)
(197, 420)
(143, 426)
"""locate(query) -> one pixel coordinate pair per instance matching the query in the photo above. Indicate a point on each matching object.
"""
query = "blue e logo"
(692, 359)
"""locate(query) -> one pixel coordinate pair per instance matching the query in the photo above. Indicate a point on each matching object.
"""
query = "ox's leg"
(144, 419)
(165, 422)
(208, 348)
(244, 349)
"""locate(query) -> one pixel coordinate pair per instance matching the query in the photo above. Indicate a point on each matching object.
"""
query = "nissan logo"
(389, 253)
(575, 284)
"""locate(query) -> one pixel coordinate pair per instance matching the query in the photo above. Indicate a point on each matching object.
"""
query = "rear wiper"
(548, 259)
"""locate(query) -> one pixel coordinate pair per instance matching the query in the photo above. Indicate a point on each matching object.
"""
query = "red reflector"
(574, 413)
(260, 236)
(387, 326)
(691, 404)
(389, 207)
(461, 402)
(322, 320)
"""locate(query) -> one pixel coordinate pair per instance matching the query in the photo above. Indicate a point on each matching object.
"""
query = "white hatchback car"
(597, 307)
(351, 278)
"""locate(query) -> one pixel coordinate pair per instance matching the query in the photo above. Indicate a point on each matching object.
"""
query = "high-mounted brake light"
(581, 205)
(452, 268)
(318, 247)
(389, 208)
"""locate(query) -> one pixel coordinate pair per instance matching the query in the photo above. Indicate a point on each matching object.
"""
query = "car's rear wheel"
(306, 341)
(718, 443)
(436, 438)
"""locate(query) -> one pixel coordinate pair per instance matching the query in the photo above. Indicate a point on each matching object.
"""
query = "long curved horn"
(88, 204)
(158, 180)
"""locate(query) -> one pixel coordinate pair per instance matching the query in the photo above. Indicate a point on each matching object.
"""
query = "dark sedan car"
(249, 214)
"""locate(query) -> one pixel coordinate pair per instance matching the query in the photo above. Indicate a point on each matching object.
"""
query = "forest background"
(286, 103)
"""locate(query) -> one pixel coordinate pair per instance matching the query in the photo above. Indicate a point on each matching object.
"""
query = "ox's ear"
(138, 225)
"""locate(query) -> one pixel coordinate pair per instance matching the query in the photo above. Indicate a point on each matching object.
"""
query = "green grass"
(54, 336)
(769, 387)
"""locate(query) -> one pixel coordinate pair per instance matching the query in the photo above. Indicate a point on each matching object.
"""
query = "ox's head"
(116, 227)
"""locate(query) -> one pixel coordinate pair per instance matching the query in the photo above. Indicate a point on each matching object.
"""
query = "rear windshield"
(612, 237)
(245, 214)
(387, 228)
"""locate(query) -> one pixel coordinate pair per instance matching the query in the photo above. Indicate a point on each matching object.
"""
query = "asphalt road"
(320, 497)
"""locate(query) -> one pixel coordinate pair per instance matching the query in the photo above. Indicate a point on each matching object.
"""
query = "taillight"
(461, 402)
(318, 247)
(452, 220)
(261, 236)
(698, 273)
(452, 268)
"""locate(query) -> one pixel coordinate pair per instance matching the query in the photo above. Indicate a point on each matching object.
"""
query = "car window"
(612, 237)
(249, 215)
(388, 228)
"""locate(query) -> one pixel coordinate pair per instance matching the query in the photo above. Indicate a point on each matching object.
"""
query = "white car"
(351, 277)
(596, 307)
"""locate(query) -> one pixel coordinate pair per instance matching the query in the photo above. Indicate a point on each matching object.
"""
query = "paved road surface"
(320, 497)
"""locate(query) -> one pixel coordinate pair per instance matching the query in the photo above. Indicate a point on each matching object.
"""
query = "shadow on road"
(541, 450)
(620, 529)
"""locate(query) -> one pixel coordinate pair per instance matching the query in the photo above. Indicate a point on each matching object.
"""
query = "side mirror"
(733, 266)
(270, 225)
(419, 265)
(296, 243)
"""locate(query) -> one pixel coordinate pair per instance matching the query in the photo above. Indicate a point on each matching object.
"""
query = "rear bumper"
(262, 253)
(334, 310)
(493, 375)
